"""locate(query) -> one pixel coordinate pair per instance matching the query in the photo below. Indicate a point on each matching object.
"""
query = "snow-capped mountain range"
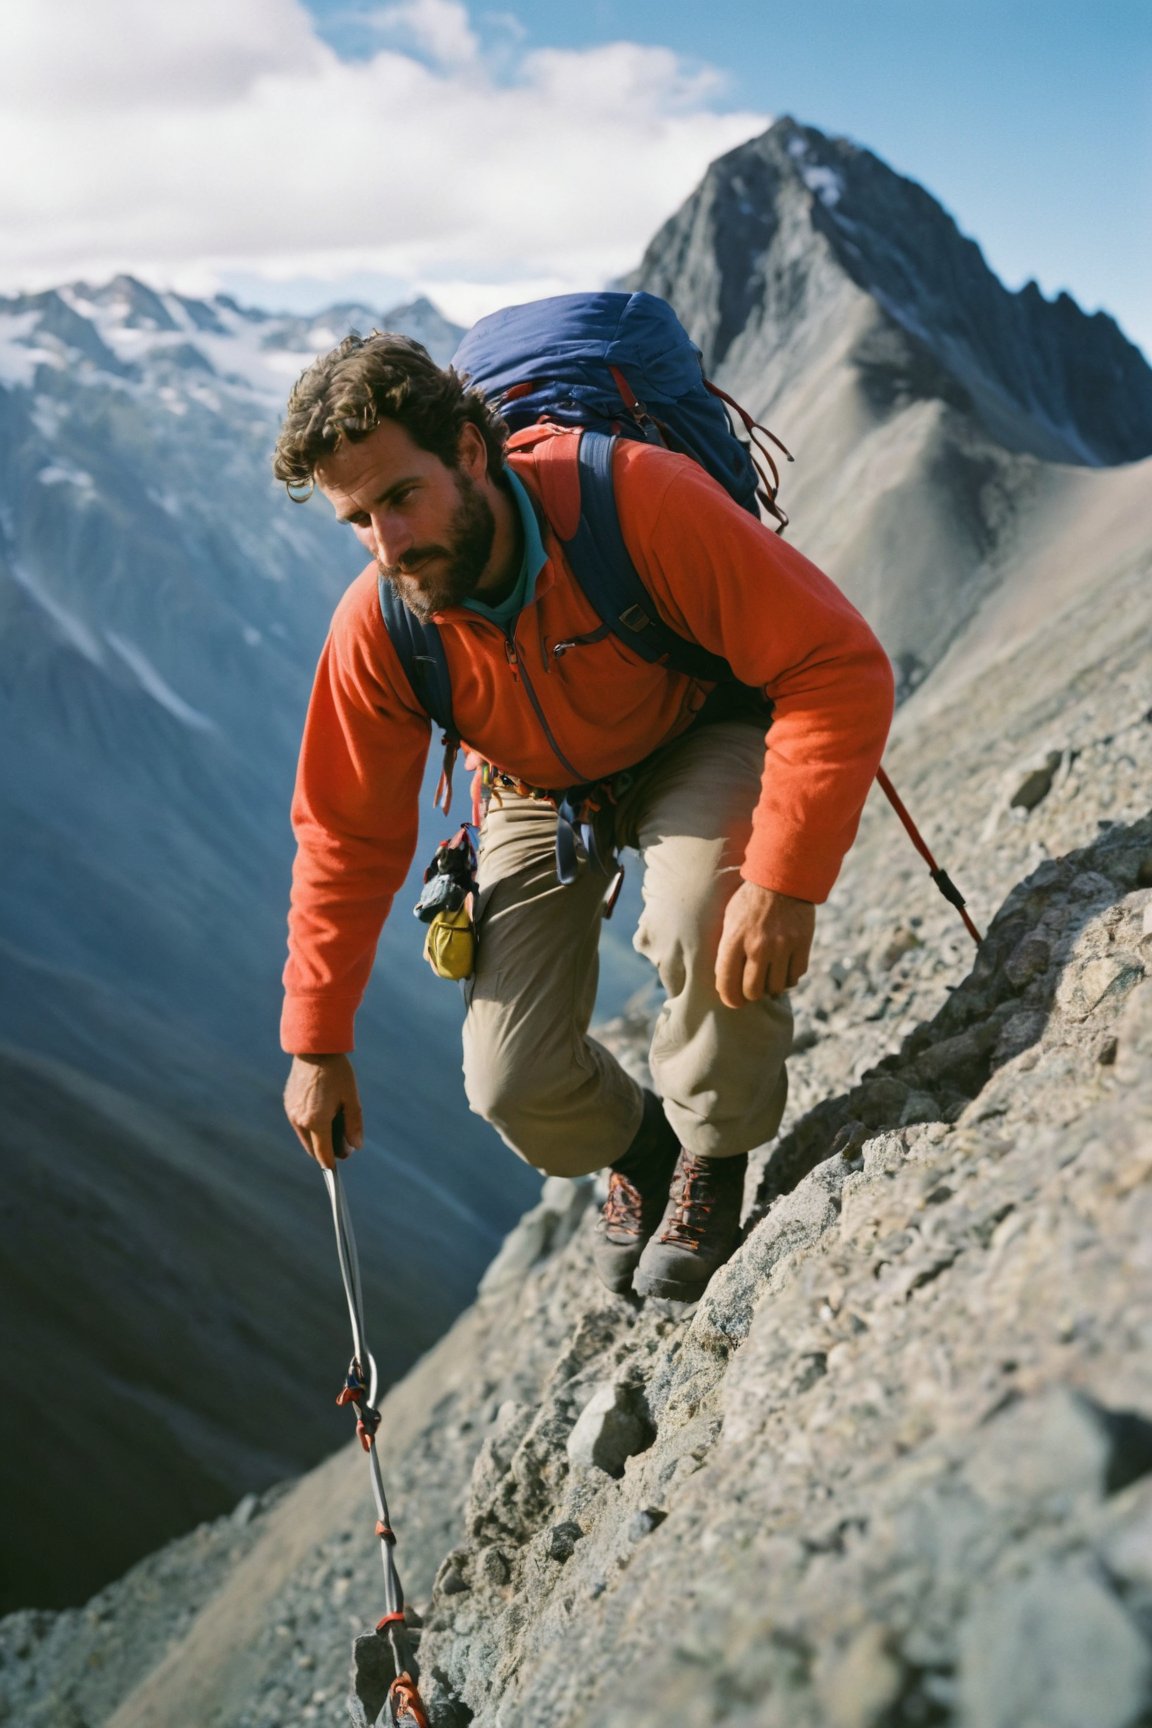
(128, 331)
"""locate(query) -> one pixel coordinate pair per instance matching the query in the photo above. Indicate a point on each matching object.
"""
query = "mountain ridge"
(1071, 374)
(919, 463)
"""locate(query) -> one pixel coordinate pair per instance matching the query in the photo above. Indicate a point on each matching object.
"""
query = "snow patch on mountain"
(73, 630)
(48, 416)
(827, 184)
(20, 357)
(157, 687)
(65, 474)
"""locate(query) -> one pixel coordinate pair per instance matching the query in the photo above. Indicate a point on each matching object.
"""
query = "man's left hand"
(765, 944)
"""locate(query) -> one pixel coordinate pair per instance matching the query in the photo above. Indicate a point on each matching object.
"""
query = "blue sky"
(296, 152)
(1031, 120)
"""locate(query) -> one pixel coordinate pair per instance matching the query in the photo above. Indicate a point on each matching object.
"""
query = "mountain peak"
(780, 220)
(137, 306)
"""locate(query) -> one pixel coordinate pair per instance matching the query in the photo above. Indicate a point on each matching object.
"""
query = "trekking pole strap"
(941, 877)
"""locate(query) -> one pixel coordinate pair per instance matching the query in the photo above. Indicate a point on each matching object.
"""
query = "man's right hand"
(319, 1086)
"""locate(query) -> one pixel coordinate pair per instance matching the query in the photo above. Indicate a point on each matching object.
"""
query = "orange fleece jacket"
(718, 577)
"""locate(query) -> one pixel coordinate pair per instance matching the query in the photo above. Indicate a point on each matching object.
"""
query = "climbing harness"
(577, 808)
(386, 1672)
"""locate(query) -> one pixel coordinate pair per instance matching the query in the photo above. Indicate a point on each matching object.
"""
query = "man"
(739, 842)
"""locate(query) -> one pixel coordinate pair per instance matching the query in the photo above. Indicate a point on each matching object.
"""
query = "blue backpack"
(619, 366)
(624, 364)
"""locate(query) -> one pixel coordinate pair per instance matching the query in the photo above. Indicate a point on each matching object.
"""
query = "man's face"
(429, 527)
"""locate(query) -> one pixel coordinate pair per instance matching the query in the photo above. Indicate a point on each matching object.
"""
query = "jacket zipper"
(520, 673)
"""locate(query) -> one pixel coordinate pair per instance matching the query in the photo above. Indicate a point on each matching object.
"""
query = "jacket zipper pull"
(598, 635)
(512, 658)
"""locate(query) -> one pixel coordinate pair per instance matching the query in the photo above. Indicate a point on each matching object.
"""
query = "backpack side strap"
(420, 651)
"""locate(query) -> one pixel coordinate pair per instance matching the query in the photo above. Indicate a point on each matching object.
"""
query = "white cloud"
(72, 61)
(440, 27)
(191, 144)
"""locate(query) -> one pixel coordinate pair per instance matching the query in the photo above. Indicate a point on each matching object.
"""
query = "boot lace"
(692, 1205)
(623, 1209)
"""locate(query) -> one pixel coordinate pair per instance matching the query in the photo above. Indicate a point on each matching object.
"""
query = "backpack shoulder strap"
(603, 566)
(421, 654)
(420, 650)
(579, 499)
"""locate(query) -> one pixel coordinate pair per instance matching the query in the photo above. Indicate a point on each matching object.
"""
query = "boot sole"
(617, 1278)
(670, 1289)
(619, 1286)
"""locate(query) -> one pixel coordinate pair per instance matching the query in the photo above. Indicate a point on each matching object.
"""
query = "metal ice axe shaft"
(385, 1671)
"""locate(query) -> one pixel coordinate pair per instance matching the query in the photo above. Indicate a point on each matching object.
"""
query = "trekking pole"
(941, 877)
(385, 1668)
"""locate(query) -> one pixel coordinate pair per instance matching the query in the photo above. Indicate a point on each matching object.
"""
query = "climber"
(739, 842)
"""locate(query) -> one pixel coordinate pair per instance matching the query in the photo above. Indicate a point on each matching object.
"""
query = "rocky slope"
(895, 1469)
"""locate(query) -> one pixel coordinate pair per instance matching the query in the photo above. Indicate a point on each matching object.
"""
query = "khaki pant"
(557, 1097)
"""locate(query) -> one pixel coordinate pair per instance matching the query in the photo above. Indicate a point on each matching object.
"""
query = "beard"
(431, 578)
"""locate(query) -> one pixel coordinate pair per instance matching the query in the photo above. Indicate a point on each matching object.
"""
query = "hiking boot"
(699, 1231)
(637, 1194)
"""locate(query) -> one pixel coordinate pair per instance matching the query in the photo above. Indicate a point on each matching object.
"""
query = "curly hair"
(346, 393)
